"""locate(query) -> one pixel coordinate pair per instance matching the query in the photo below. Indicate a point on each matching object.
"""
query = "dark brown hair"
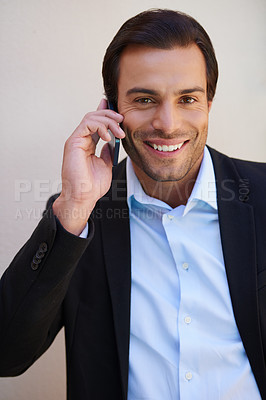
(161, 29)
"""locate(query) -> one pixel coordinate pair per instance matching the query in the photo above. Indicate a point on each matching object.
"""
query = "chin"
(158, 176)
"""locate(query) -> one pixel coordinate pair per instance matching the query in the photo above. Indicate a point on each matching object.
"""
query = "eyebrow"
(155, 93)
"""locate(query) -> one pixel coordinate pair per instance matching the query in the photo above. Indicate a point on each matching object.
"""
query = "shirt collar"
(205, 186)
(203, 190)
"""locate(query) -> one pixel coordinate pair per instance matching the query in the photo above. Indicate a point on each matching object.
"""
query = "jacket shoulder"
(250, 173)
(252, 169)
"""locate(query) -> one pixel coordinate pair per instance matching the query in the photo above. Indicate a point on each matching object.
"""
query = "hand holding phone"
(86, 178)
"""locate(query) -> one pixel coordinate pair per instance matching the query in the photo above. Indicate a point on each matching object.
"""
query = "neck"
(174, 193)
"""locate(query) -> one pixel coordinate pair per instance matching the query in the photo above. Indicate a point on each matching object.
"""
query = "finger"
(103, 105)
(90, 127)
(106, 155)
(105, 113)
(110, 124)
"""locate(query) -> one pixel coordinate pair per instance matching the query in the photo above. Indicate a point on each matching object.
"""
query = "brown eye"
(187, 100)
(144, 100)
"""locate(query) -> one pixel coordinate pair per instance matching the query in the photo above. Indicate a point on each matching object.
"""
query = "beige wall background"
(50, 76)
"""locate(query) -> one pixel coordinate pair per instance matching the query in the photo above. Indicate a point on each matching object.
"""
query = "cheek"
(136, 119)
(198, 119)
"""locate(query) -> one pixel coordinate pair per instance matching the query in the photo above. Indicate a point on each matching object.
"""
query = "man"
(162, 293)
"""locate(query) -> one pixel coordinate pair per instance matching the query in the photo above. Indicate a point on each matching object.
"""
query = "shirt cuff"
(84, 233)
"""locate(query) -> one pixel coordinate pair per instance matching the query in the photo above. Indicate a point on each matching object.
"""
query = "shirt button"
(188, 376)
(185, 266)
(170, 216)
(187, 320)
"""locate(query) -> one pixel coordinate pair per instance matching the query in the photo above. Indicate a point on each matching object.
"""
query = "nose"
(167, 118)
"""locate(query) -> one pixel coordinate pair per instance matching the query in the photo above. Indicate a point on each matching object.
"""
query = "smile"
(166, 148)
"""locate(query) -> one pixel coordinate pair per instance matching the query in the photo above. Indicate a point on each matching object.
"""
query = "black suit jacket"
(84, 285)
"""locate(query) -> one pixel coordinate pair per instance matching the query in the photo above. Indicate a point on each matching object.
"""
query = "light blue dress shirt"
(184, 342)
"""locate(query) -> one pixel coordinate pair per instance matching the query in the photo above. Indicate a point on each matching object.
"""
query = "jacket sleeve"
(32, 291)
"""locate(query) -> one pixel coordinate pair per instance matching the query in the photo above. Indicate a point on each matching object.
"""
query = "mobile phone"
(114, 142)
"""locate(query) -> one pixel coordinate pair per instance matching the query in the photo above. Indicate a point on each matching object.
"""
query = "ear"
(209, 105)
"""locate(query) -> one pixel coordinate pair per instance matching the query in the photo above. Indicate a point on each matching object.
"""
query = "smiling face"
(162, 95)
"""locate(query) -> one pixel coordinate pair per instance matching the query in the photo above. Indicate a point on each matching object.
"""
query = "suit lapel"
(239, 248)
(116, 244)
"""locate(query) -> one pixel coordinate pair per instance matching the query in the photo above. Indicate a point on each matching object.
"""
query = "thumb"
(106, 155)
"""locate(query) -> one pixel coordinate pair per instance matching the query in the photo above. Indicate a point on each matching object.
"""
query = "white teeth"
(167, 148)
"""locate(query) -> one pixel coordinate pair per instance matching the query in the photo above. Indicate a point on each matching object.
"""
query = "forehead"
(178, 67)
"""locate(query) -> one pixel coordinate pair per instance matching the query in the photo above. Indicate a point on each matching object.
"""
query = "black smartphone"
(114, 142)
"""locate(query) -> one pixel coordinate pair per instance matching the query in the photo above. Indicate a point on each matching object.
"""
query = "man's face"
(162, 95)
